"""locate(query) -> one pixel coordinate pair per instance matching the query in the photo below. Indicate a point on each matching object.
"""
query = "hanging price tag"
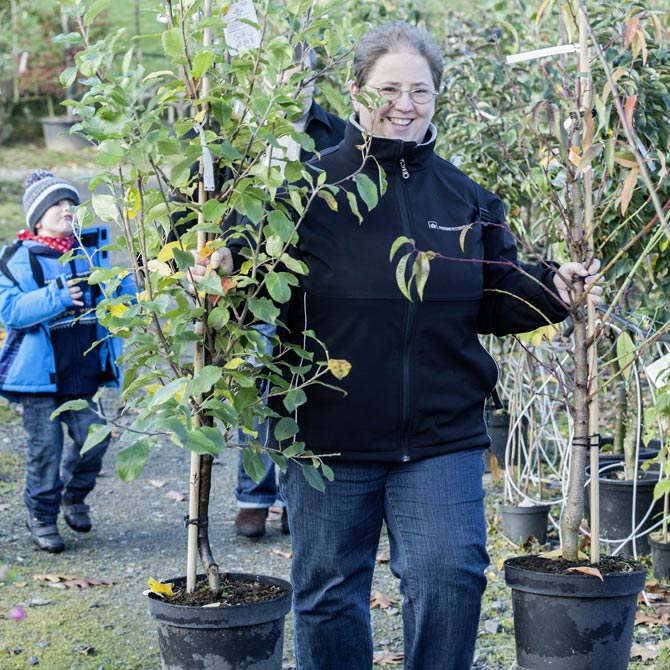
(239, 34)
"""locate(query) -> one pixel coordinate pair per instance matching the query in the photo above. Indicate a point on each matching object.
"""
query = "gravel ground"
(138, 533)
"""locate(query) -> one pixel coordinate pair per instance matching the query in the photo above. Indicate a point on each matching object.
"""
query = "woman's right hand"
(220, 261)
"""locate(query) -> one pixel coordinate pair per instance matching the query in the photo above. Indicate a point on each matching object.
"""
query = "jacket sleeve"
(517, 297)
(24, 309)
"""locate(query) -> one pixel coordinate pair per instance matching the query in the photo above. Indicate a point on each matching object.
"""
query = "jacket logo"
(449, 229)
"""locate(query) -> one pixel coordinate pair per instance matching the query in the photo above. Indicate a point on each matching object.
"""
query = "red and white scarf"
(62, 244)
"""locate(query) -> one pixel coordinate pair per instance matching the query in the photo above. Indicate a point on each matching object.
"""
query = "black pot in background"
(519, 524)
(660, 559)
(572, 622)
(243, 637)
(643, 453)
(616, 507)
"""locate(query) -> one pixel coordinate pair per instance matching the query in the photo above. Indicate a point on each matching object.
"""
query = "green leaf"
(278, 287)
(174, 425)
(397, 243)
(264, 310)
(278, 459)
(400, 275)
(202, 62)
(97, 432)
(285, 429)
(661, 489)
(294, 449)
(314, 478)
(70, 406)
(625, 351)
(105, 206)
(198, 442)
(353, 204)
(95, 9)
(367, 190)
(173, 43)
(131, 460)
(168, 392)
(253, 464)
(293, 399)
(184, 259)
(205, 379)
(67, 76)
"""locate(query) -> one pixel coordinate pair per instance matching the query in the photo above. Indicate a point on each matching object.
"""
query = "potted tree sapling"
(660, 413)
(195, 365)
(583, 146)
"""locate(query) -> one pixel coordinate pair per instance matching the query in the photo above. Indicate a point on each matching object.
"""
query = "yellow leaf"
(160, 588)
(133, 202)
(234, 363)
(118, 310)
(209, 248)
(200, 116)
(167, 252)
(339, 367)
(575, 155)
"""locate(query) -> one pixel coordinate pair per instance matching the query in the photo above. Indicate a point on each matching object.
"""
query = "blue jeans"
(434, 512)
(248, 492)
(47, 480)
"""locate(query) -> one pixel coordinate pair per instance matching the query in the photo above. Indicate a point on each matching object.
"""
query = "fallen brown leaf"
(4, 507)
(587, 570)
(71, 582)
(386, 657)
(381, 600)
(283, 554)
(646, 653)
(176, 496)
(156, 483)
(383, 557)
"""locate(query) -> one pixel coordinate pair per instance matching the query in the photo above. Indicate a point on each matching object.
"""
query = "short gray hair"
(396, 37)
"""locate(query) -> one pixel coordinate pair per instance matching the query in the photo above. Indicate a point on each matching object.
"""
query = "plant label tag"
(239, 34)
(658, 372)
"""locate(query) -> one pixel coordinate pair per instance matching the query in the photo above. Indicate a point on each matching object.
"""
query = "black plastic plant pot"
(240, 637)
(618, 497)
(519, 524)
(572, 621)
(660, 559)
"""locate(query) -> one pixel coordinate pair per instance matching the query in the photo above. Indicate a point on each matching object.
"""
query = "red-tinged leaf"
(629, 184)
(629, 109)
(588, 570)
(381, 600)
(283, 554)
(632, 28)
(385, 658)
(176, 496)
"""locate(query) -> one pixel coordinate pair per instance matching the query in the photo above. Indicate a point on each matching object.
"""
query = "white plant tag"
(658, 372)
(240, 35)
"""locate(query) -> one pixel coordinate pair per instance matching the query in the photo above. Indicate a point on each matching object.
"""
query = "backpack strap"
(4, 262)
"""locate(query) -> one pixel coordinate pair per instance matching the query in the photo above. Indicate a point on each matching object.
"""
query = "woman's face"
(401, 119)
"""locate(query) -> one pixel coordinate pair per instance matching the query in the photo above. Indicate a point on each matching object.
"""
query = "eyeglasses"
(418, 95)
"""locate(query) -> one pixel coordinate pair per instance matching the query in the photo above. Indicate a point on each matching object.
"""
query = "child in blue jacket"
(49, 357)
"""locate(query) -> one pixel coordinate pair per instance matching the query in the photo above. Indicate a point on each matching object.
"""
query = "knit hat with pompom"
(43, 190)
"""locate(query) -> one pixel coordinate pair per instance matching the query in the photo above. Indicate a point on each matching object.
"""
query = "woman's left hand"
(573, 271)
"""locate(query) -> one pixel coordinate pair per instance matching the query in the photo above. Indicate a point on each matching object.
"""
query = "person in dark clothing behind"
(410, 430)
(49, 355)
(327, 130)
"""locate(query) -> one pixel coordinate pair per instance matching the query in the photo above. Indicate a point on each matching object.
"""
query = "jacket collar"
(388, 152)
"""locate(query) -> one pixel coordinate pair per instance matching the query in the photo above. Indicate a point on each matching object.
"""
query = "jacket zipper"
(409, 324)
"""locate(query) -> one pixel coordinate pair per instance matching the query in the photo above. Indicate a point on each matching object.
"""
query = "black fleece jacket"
(419, 376)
